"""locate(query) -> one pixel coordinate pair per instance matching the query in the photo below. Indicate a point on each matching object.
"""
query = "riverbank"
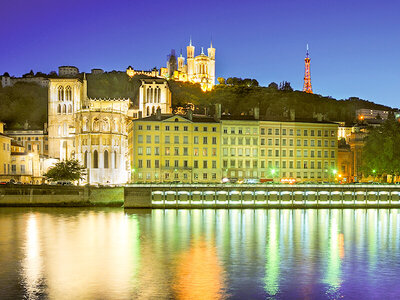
(59, 196)
(204, 196)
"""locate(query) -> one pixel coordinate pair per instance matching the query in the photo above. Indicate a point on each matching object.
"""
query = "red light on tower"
(307, 75)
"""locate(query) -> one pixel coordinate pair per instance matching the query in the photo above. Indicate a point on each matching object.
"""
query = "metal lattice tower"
(307, 75)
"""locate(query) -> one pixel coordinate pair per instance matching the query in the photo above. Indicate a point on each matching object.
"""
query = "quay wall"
(47, 195)
(261, 196)
(205, 196)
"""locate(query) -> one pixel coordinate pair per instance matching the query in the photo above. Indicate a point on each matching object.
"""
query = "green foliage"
(242, 82)
(68, 170)
(23, 102)
(381, 150)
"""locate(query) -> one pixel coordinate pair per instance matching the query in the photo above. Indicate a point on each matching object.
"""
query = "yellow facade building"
(304, 151)
(175, 148)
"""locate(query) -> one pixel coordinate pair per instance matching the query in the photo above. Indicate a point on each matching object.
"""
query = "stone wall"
(37, 195)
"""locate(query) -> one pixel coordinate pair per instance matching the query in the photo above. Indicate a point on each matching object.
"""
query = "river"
(109, 253)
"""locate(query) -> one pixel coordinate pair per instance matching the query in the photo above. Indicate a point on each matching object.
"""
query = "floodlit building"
(5, 152)
(198, 69)
(175, 148)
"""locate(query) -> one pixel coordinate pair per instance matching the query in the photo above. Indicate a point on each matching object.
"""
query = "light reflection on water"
(199, 254)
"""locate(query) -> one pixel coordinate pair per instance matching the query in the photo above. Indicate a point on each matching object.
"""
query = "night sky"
(354, 45)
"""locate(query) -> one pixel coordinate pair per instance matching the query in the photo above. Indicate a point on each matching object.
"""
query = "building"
(5, 152)
(187, 148)
(7, 80)
(153, 94)
(175, 148)
(240, 148)
(198, 69)
(33, 140)
(151, 73)
(345, 164)
(94, 131)
(68, 71)
(365, 113)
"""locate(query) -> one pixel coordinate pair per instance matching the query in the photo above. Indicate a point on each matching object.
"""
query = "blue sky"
(354, 45)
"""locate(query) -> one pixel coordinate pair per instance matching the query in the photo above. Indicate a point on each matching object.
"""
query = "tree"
(221, 80)
(69, 170)
(273, 86)
(380, 152)
(285, 86)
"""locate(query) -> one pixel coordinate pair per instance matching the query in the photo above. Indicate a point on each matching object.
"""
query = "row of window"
(185, 139)
(177, 151)
(184, 164)
(177, 176)
(29, 138)
(64, 93)
(176, 128)
(277, 152)
(305, 164)
(95, 159)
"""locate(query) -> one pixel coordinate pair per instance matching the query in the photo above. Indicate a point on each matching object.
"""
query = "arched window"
(153, 110)
(148, 95)
(64, 109)
(96, 125)
(159, 95)
(115, 125)
(59, 109)
(70, 109)
(106, 159)
(68, 93)
(148, 111)
(85, 159)
(115, 159)
(85, 124)
(106, 125)
(60, 93)
(95, 159)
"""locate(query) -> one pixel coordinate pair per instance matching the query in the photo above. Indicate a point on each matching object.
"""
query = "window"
(166, 139)
(196, 164)
(186, 139)
(148, 139)
(205, 129)
(95, 159)
(195, 151)
(276, 131)
(204, 139)
(176, 151)
(167, 150)
(214, 129)
(185, 128)
(195, 140)
(140, 138)
(140, 127)
(196, 128)
(205, 164)
(85, 159)
(176, 128)
(185, 151)
(157, 139)
(176, 139)
(148, 163)
(106, 165)
(166, 128)
(214, 164)
(214, 140)
(148, 150)
(156, 163)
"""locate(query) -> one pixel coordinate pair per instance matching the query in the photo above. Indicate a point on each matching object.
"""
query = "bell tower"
(190, 59)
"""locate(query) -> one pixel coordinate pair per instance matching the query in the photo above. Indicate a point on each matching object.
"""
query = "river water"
(74, 253)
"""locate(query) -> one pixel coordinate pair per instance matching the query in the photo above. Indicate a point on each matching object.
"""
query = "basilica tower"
(190, 58)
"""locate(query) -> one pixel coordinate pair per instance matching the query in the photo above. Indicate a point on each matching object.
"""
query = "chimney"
(158, 113)
(189, 114)
(256, 113)
(292, 113)
(217, 115)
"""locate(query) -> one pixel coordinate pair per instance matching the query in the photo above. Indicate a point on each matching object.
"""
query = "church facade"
(94, 131)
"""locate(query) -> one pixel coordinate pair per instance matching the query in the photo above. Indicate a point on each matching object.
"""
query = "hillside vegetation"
(28, 101)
